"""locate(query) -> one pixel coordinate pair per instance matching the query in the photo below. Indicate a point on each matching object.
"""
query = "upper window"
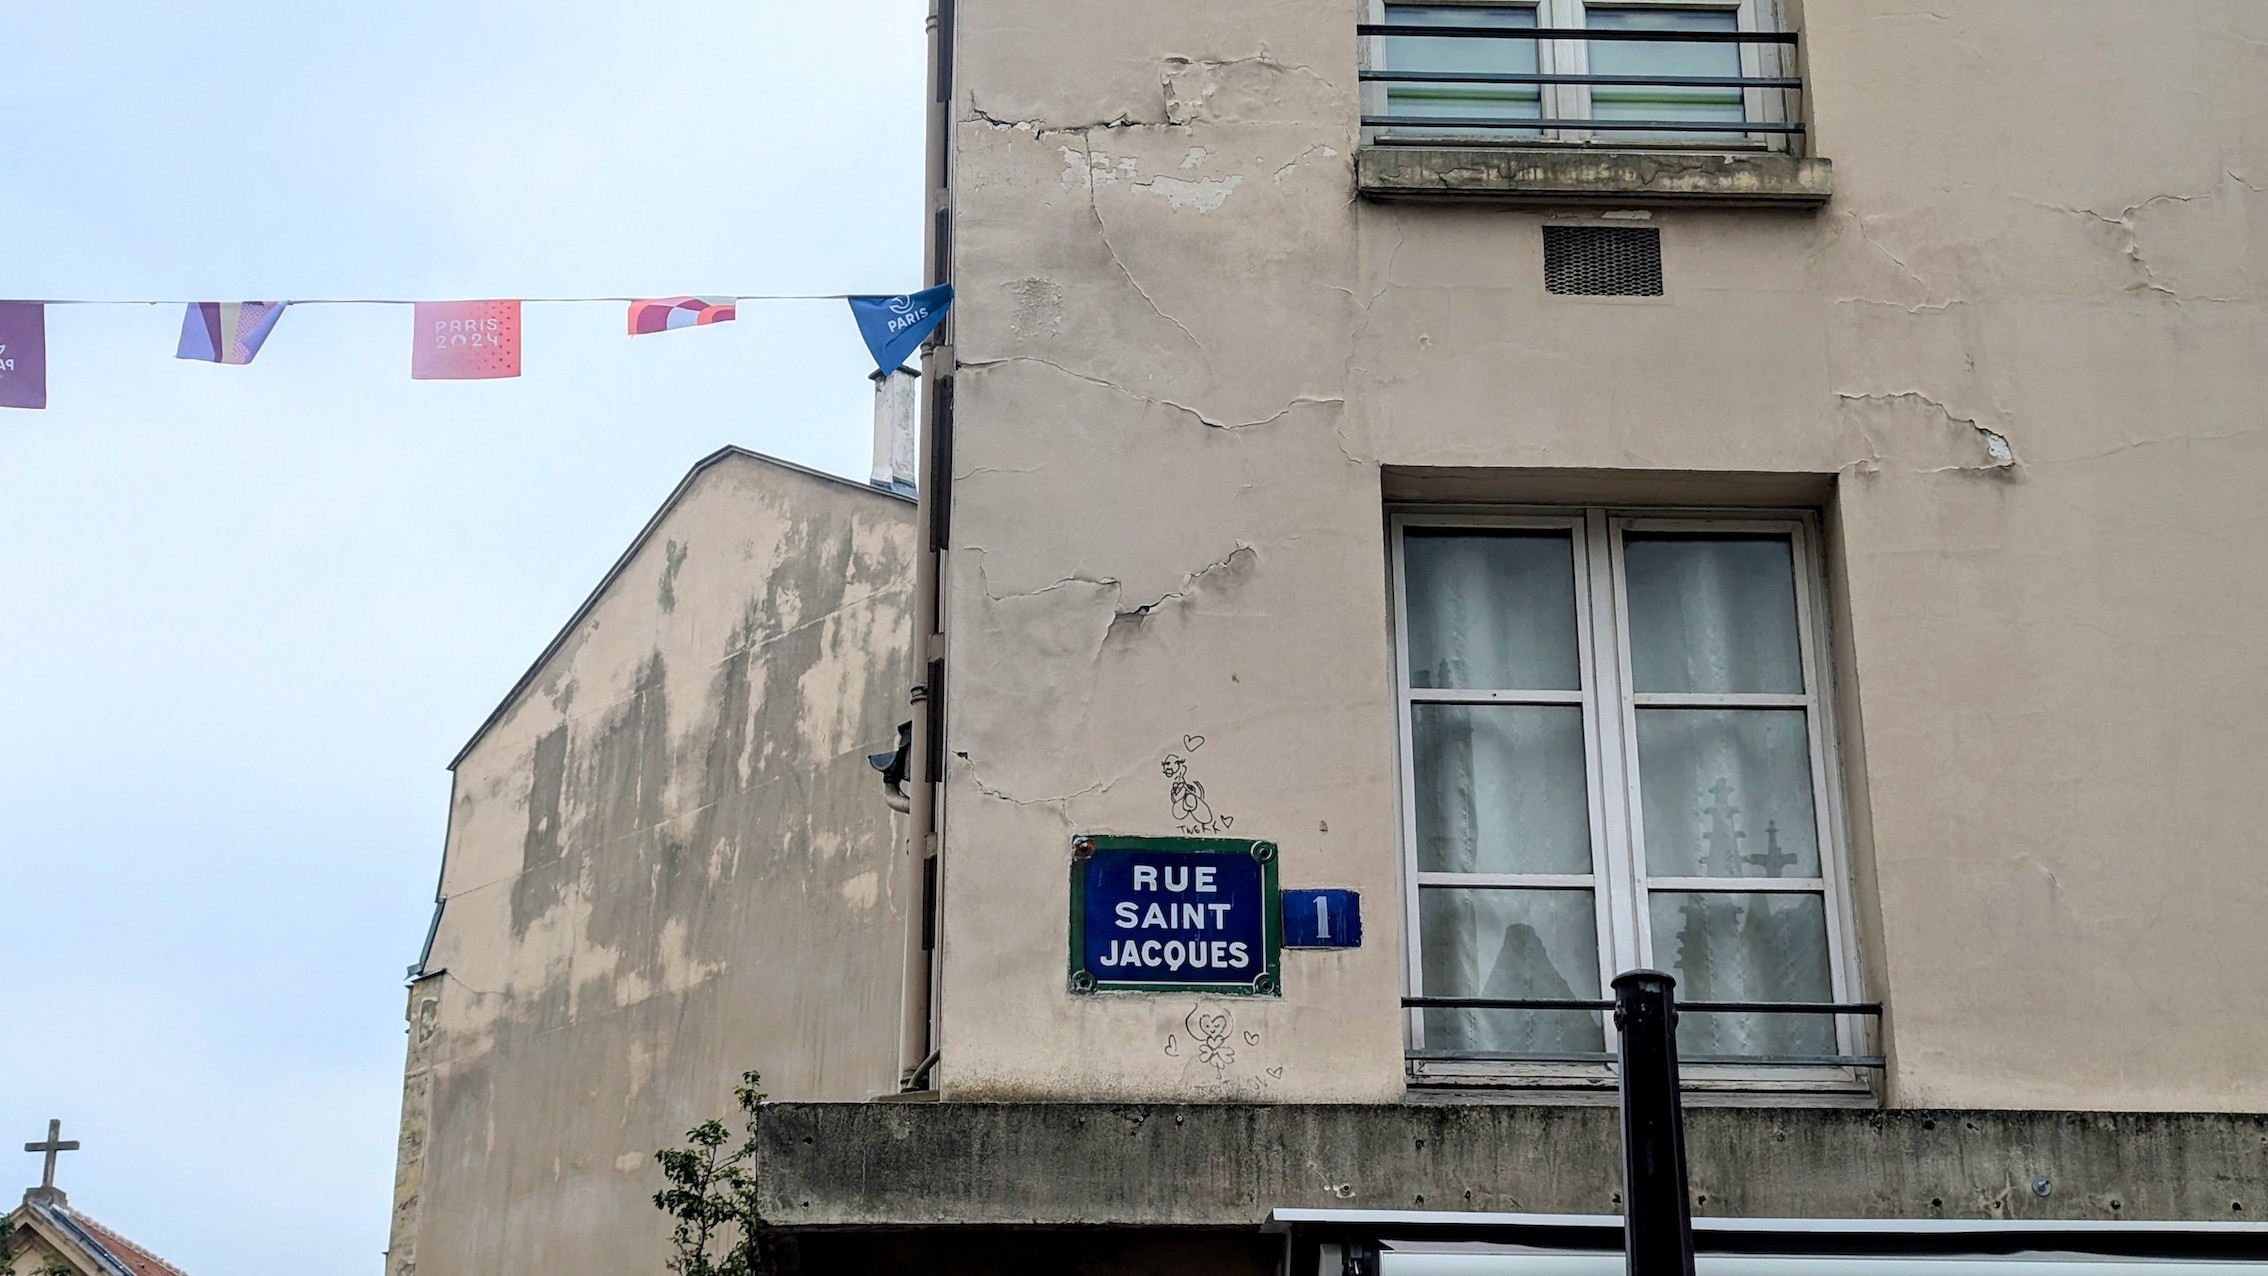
(1652, 73)
(1615, 755)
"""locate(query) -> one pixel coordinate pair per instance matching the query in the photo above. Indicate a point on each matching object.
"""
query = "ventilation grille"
(1602, 261)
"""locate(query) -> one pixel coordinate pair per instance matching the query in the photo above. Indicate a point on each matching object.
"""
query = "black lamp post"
(1657, 1214)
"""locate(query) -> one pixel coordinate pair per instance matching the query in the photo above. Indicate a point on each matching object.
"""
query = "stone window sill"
(1535, 175)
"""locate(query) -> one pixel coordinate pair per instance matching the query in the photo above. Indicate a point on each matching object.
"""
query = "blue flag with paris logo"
(894, 326)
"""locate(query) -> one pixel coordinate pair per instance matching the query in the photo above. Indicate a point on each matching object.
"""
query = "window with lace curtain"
(1615, 754)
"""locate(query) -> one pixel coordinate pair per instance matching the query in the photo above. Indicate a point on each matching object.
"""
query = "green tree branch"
(718, 1228)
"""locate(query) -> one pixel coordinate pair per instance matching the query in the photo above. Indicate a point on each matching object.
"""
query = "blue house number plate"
(1322, 919)
(1175, 914)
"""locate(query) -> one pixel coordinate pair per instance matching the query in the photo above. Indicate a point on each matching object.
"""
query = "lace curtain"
(1724, 792)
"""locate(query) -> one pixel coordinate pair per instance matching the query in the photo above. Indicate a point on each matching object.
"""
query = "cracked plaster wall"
(668, 863)
(2026, 338)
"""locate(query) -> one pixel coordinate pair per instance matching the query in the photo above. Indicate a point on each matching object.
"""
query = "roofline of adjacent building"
(637, 544)
(61, 1220)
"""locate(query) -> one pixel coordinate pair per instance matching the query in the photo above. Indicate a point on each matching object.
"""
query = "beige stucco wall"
(668, 862)
(2023, 348)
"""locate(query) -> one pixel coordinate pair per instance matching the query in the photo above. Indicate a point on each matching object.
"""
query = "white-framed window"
(1617, 752)
(1464, 87)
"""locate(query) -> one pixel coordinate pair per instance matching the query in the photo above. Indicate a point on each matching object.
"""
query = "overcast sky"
(247, 614)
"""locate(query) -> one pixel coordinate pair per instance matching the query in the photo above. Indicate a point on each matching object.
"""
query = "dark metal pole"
(1657, 1216)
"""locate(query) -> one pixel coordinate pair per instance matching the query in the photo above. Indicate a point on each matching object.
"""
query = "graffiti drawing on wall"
(1191, 812)
(1211, 1039)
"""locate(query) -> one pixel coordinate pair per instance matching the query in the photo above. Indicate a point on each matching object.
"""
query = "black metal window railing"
(1645, 76)
(1830, 1010)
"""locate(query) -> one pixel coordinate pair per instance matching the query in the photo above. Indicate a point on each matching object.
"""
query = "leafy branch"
(719, 1230)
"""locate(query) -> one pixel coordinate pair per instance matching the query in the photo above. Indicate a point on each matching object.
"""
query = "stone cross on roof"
(56, 1143)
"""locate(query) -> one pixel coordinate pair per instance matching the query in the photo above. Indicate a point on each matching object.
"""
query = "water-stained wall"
(668, 862)
(2018, 357)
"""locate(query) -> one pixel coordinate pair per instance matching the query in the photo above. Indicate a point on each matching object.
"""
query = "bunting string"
(465, 340)
(414, 301)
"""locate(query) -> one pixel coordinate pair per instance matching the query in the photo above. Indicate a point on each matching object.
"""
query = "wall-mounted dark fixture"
(893, 769)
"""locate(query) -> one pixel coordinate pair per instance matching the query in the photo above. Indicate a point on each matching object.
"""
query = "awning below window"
(1452, 1258)
(1426, 1243)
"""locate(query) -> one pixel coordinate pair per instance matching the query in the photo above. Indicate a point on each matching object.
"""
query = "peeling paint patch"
(862, 891)
(1102, 231)
(1093, 169)
(1203, 194)
(1317, 151)
(1999, 452)
(1042, 129)
(1227, 89)
(1996, 446)
(1038, 307)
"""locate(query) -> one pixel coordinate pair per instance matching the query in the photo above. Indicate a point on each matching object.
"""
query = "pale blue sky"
(248, 614)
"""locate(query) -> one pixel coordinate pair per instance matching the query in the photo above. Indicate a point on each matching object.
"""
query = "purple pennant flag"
(227, 331)
(23, 354)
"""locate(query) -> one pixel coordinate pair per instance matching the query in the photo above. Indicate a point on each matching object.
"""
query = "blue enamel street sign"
(1175, 914)
(1322, 919)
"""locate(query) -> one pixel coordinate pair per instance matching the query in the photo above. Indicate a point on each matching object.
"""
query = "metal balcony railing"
(1770, 104)
(1870, 1009)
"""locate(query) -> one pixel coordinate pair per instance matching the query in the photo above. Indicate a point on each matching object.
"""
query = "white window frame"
(1622, 887)
(1572, 57)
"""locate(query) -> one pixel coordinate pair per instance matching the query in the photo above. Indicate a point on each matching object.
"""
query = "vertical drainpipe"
(919, 879)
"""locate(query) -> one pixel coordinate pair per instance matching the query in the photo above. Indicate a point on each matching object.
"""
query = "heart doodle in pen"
(1192, 742)
(1277, 1073)
(1252, 1038)
(1172, 1047)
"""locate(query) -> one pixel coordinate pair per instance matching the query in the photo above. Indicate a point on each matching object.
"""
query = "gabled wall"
(668, 862)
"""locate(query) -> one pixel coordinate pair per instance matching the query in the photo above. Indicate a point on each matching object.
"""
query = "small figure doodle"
(1191, 812)
(1187, 795)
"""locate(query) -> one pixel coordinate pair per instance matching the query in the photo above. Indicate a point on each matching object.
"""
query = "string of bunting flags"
(452, 340)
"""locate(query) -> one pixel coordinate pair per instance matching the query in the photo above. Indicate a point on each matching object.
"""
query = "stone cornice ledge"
(829, 1165)
(1508, 175)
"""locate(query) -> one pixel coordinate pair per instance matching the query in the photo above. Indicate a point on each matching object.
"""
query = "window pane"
(1462, 53)
(1491, 610)
(1666, 57)
(1727, 793)
(1500, 789)
(1712, 613)
(1499, 943)
(1746, 948)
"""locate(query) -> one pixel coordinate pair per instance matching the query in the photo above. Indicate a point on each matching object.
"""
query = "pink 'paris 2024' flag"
(466, 340)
